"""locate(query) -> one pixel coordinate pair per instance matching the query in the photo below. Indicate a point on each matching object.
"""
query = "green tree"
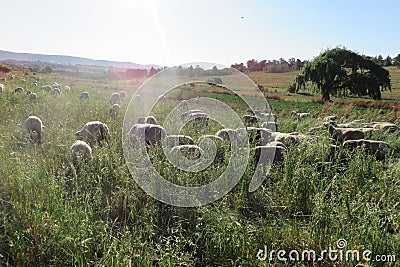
(379, 60)
(5, 68)
(47, 69)
(396, 61)
(339, 71)
(387, 62)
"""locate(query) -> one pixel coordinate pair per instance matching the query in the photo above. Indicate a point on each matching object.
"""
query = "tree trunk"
(325, 93)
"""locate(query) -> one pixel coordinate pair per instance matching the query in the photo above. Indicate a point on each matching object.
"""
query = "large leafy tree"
(339, 71)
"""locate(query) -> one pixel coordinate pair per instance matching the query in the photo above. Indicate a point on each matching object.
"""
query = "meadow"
(55, 215)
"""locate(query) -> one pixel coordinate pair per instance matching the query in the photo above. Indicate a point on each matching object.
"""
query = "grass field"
(54, 215)
(279, 82)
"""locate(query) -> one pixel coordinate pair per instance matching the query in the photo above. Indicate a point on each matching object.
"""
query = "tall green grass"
(54, 214)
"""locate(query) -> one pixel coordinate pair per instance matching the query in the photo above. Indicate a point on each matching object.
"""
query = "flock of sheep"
(92, 132)
(265, 138)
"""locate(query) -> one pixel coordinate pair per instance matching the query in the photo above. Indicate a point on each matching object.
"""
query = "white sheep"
(184, 105)
(301, 116)
(122, 95)
(186, 115)
(150, 120)
(271, 125)
(151, 133)
(225, 133)
(1, 87)
(67, 88)
(114, 98)
(162, 99)
(93, 132)
(47, 88)
(189, 151)
(342, 134)
(84, 95)
(331, 118)
(278, 150)
(137, 99)
(56, 91)
(19, 90)
(32, 96)
(177, 139)
(80, 150)
(386, 127)
(250, 119)
(114, 110)
(377, 148)
(269, 116)
(34, 125)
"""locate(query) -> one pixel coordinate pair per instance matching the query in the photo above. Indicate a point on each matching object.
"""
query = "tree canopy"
(339, 71)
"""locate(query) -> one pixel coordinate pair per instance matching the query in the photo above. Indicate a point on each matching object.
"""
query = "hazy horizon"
(175, 32)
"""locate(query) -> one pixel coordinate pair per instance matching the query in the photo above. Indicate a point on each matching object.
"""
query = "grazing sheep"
(330, 118)
(93, 132)
(34, 125)
(141, 120)
(32, 96)
(269, 116)
(47, 88)
(80, 150)
(184, 105)
(114, 110)
(137, 99)
(199, 117)
(35, 83)
(250, 119)
(1, 87)
(19, 90)
(288, 139)
(162, 99)
(173, 140)
(210, 136)
(386, 127)
(342, 134)
(151, 133)
(279, 152)
(225, 133)
(84, 95)
(377, 148)
(67, 89)
(189, 151)
(196, 115)
(56, 91)
(56, 85)
(150, 120)
(28, 92)
(256, 135)
(271, 125)
(186, 115)
(301, 116)
(114, 98)
(122, 95)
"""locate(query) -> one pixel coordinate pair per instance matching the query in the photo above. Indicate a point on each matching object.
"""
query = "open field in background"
(52, 215)
(279, 82)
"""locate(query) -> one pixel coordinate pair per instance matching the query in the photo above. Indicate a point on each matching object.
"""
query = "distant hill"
(6, 55)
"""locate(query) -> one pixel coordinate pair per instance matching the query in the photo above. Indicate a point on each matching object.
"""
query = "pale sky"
(173, 32)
